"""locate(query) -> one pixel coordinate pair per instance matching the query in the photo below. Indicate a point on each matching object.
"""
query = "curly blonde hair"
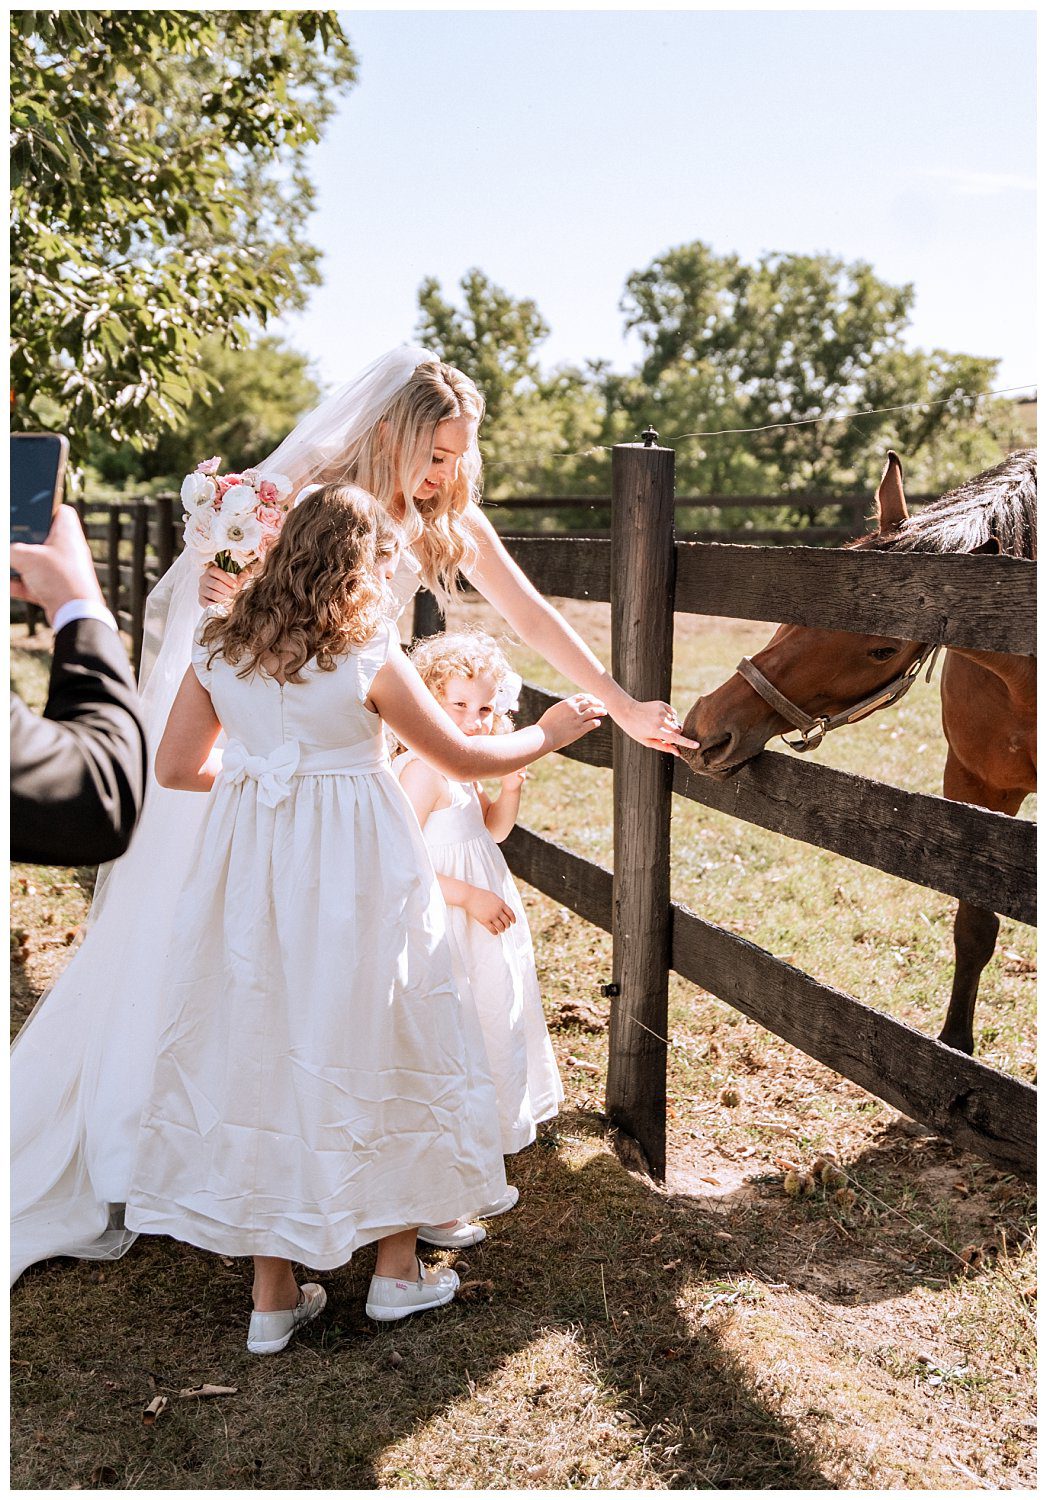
(467, 653)
(391, 461)
(318, 592)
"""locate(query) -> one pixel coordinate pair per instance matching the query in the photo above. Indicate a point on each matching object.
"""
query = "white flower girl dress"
(318, 1082)
(499, 967)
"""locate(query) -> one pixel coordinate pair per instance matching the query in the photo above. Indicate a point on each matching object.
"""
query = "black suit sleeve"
(78, 774)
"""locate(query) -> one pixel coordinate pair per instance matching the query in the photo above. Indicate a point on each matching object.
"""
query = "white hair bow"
(272, 772)
(304, 493)
(507, 696)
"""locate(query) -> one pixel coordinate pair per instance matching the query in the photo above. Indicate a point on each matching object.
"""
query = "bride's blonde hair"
(392, 460)
(318, 592)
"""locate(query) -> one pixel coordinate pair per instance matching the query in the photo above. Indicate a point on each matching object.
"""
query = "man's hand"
(59, 569)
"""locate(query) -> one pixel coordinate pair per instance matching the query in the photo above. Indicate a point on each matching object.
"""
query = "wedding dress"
(82, 1063)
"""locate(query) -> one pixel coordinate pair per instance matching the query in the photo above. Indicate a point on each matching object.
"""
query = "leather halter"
(813, 731)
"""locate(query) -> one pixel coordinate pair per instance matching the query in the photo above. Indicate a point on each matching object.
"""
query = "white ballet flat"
(269, 1332)
(390, 1298)
(459, 1236)
(509, 1199)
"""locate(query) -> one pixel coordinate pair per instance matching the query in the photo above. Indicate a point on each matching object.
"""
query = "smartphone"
(38, 462)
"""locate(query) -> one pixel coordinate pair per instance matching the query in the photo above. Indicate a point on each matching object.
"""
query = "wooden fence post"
(642, 590)
(139, 537)
(428, 616)
(112, 561)
(164, 540)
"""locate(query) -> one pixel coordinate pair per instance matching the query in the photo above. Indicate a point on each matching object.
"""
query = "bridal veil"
(82, 1065)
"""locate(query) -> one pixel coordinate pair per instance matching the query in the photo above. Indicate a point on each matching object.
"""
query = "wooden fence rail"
(987, 603)
(963, 851)
(984, 603)
(982, 1110)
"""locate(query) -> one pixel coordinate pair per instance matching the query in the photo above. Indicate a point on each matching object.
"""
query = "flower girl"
(318, 1084)
(470, 678)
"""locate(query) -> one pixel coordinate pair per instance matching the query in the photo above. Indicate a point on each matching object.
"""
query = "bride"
(406, 430)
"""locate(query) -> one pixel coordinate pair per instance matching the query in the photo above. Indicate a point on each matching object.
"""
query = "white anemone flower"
(240, 536)
(198, 490)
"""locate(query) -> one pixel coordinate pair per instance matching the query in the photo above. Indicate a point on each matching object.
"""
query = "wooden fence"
(647, 574)
(962, 851)
(135, 541)
(699, 514)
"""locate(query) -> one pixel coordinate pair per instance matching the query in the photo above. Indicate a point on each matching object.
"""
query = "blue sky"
(559, 151)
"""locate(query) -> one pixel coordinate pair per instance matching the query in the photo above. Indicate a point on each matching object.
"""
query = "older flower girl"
(318, 1085)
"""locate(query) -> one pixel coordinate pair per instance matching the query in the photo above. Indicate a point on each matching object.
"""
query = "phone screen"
(37, 475)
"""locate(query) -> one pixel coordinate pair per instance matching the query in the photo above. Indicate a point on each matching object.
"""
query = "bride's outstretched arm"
(504, 584)
(188, 739)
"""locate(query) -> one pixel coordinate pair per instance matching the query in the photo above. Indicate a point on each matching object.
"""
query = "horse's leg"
(975, 930)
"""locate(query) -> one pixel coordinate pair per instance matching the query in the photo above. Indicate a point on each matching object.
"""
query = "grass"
(711, 1333)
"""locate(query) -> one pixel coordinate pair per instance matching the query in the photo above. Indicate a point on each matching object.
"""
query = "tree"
(786, 340)
(159, 193)
(258, 395)
(493, 338)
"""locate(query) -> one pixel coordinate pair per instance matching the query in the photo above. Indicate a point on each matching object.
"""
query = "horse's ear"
(991, 548)
(890, 497)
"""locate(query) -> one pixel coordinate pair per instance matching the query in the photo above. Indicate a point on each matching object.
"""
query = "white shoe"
(269, 1332)
(509, 1199)
(389, 1298)
(458, 1236)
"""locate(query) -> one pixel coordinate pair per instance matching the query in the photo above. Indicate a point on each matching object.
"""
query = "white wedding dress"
(82, 1064)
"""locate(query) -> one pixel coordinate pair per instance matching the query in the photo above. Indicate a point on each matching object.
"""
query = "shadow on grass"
(93, 1344)
(916, 1203)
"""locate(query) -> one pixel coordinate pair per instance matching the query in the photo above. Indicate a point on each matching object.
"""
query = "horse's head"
(824, 673)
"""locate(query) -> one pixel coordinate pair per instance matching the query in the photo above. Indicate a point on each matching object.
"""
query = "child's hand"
(217, 586)
(490, 910)
(515, 780)
(568, 720)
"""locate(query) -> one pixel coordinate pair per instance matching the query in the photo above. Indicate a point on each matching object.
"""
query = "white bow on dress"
(272, 772)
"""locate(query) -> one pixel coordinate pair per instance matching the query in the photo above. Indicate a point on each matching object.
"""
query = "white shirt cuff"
(81, 609)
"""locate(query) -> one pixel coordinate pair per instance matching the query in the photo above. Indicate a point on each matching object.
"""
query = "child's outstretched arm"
(188, 739)
(411, 711)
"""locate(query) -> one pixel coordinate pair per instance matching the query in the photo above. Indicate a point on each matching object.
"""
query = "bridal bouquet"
(232, 520)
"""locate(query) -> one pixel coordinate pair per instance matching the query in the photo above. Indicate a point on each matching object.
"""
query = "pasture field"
(612, 1334)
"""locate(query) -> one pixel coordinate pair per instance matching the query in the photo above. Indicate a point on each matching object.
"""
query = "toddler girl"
(470, 678)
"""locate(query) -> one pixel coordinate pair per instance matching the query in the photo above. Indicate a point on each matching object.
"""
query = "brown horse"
(813, 680)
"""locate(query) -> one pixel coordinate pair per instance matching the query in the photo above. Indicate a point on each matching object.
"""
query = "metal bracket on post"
(650, 437)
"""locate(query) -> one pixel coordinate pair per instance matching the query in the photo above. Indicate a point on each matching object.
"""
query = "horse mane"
(996, 505)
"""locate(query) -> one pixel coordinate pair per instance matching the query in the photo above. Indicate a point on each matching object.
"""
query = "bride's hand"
(655, 725)
(216, 586)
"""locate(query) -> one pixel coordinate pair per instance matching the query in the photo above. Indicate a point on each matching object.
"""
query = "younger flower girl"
(470, 678)
(319, 1083)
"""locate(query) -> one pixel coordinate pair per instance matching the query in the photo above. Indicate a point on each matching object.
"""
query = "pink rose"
(270, 516)
(268, 542)
(209, 466)
(267, 492)
(227, 481)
